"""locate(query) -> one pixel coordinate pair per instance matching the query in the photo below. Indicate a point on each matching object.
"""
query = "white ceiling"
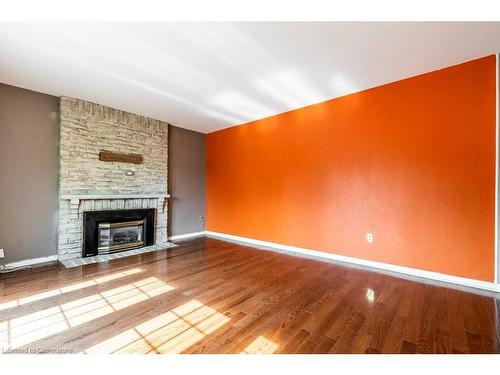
(209, 76)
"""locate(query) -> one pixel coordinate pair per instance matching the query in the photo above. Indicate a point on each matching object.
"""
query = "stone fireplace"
(89, 187)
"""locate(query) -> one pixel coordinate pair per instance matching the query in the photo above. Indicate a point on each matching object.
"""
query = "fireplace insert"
(112, 237)
(108, 232)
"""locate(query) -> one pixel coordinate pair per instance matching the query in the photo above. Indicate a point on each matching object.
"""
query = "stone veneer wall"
(88, 128)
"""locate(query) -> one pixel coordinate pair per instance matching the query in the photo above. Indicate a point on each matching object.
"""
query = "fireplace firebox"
(113, 237)
(107, 232)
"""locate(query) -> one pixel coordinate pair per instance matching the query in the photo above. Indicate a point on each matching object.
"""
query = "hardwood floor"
(210, 296)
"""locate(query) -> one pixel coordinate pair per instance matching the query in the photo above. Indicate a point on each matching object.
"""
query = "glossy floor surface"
(210, 296)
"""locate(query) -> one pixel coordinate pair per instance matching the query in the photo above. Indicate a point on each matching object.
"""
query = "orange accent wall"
(412, 162)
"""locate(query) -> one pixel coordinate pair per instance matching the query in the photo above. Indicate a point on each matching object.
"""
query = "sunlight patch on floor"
(67, 289)
(370, 295)
(38, 325)
(171, 332)
(261, 345)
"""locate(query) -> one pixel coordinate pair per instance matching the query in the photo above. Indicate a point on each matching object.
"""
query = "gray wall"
(29, 159)
(186, 179)
(29, 170)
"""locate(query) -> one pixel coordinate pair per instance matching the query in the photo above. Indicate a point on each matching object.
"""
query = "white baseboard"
(462, 281)
(32, 262)
(187, 235)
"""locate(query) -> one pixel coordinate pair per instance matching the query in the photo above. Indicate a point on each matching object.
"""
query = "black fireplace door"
(106, 232)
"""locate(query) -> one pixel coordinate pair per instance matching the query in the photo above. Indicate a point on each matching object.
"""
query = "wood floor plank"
(212, 296)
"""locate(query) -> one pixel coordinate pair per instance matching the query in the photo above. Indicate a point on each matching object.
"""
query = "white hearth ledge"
(70, 263)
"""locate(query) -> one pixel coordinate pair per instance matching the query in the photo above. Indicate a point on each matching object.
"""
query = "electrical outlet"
(2, 254)
(370, 238)
(201, 222)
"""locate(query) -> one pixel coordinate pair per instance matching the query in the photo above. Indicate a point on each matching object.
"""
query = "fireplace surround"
(110, 231)
(88, 184)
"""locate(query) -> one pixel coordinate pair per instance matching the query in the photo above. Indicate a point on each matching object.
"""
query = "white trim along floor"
(433, 278)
